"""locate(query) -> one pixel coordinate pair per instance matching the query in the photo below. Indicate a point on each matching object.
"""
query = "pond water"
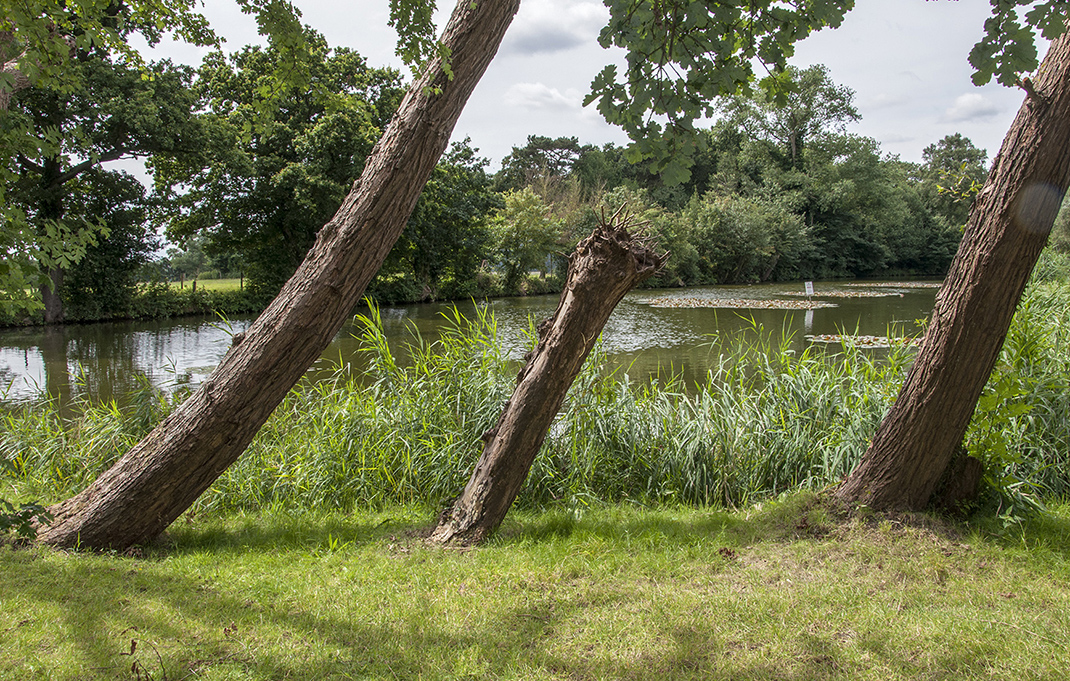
(671, 331)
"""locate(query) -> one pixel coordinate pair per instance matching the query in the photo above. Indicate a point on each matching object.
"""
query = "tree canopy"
(265, 186)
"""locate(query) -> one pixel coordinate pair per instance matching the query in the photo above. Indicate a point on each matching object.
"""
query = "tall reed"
(764, 420)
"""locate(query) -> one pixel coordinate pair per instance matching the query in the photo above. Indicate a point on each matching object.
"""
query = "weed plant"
(763, 421)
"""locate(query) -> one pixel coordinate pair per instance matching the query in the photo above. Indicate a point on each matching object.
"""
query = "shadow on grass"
(225, 614)
(184, 625)
(797, 516)
(306, 531)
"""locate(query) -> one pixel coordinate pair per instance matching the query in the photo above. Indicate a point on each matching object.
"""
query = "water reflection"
(101, 361)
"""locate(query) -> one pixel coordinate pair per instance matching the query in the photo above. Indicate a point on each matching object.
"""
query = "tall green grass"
(764, 421)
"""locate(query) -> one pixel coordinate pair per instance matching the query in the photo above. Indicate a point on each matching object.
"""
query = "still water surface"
(106, 360)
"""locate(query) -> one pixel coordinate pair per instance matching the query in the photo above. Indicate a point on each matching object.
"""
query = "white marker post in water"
(808, 318)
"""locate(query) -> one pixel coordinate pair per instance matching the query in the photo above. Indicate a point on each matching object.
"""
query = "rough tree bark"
(161, 476)
(604, 267)
(1007, 229)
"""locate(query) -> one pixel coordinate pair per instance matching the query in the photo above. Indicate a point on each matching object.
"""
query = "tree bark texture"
(161, 476)
(52, 296)
(1007, 229)
(605, 266)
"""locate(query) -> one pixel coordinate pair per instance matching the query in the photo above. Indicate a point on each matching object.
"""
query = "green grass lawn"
(779, 591)
(213, 284)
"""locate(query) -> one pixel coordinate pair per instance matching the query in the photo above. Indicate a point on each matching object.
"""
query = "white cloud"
(970, 107)
(883, 100)
(896, 138)
(537, 96)
(546, 26)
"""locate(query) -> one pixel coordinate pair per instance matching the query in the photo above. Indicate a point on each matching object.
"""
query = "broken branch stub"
(605, 266)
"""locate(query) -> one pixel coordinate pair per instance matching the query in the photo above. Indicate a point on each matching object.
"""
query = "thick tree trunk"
(52, 296)
(162, 475)
(605, 266)
(1007, 230)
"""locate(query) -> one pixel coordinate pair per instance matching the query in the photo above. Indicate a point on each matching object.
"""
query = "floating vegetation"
(740, 303)
(848, 294)
(863, 341)
(901, 284)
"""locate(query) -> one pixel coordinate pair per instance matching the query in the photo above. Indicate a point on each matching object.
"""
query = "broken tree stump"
(605, 266)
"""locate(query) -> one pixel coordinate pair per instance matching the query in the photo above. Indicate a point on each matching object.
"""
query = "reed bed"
(764, 421)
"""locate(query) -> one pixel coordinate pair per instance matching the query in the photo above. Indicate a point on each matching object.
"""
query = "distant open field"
(212, 284)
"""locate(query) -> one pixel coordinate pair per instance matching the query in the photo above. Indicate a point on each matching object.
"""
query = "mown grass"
(780, 590)
(211, 284)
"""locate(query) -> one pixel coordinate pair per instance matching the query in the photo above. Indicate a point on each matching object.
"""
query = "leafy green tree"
(733, 238)
(102, 283)
(74, 94)
(803, 106)
(540, 156)
(525, 233)
(447, 236)
(188, 262)
(954, 171)
(268, 184)
(682, 56)
(116, 113)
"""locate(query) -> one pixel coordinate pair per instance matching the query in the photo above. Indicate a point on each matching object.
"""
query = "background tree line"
(247, 165)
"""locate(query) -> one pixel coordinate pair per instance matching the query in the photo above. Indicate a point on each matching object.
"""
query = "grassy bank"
(776, 591)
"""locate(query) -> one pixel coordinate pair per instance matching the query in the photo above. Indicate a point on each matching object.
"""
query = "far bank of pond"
(667, 331)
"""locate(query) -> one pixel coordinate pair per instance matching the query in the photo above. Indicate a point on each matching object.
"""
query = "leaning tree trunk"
(161, 476)
(605, 266)
(1007, 230)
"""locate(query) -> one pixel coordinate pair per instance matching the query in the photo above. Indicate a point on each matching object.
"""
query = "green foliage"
(79, 92)
(446, 239)
(114, 112)
(1019, 430)
(807, 106)
(1008, 48)
(1060, 231)
(42, 37)
(417, 43)
(743, 240)
(956, 170)
(267, 184)
(102, 284)
(21, 518)
(157, 300)
(525, 234)
(682, 56)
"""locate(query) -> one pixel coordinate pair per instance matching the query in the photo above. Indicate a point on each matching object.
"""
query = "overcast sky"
(906, 60)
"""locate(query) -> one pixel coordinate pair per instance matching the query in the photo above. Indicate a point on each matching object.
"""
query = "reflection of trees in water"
(53, 345)
(106, 359)
(7, 378)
